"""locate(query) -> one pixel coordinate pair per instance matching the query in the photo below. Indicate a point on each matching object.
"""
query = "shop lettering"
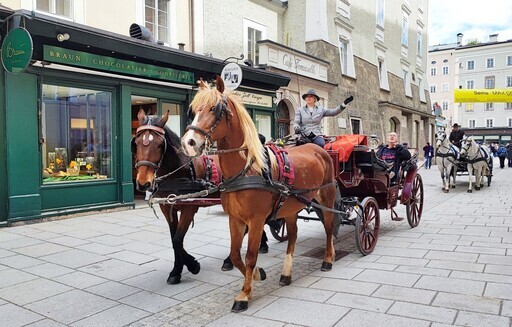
(65, 56)
(296, 64)
(481, 93)
(502, 92)
(11, 52)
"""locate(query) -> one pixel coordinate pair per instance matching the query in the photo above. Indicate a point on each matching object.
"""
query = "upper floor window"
(509, 122)
(445, 70)
(471, 65)
(344, 55)
(420, 44)
(253, 32)
(509, 60)
(489, 82)
(380, 13)
(489, 63)
(156, 13)
(445, 87)
(57, 7)
(405, 30)
(432, 89)
(508, 106)
(469, 107)
(445, 105)
(433, 71)
(470, 84)
(509, 81)
(472, 123)
(489, 106)
(489, 123)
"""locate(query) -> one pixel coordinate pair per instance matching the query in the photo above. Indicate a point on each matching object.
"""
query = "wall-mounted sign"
(232, 76)
(254, 99)
(17, 50)
(482, 95)
(109, 64)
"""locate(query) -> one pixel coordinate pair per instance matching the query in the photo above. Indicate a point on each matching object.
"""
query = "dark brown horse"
(157, 151)
(221, 117)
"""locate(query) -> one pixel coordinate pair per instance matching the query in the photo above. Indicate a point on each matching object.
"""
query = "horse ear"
(141, 115)
(164, 118)
(220, 84)
(202, 84)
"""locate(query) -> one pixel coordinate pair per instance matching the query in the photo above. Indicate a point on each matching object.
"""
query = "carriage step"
(397, 218)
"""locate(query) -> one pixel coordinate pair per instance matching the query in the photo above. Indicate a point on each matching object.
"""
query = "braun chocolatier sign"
(109, 64)
(17, 50)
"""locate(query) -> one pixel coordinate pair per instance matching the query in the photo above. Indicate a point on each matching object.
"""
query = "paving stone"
(73, 258)
(404, 294)
(501, 291)
(506, 309)
(359, 318)
(451, 256)
(301, 293)
(71, 306)
(360, 302)
(454, 265)
(120, 315)
(14, 316)
(234, 319)
(31, 291)
(303, 313)
(467, 303)
(13, 277)
(20, 261)
(113, 269)
(40, 250)
(348, 286)
(424, 271)
(388, 277)
(480, 319)
(424, 312)
(451, 285)
(147, 301)
(112, 290)
(46, 323)
(80, 280)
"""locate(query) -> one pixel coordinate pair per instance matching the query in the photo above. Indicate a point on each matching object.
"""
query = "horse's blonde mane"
(209, 97)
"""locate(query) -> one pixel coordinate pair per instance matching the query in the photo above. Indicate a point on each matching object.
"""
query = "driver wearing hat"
(456, 136)
(309, 117)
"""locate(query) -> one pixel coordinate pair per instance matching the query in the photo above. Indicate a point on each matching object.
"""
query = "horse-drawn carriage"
(472, 159)
(258, 185)
(365, 185)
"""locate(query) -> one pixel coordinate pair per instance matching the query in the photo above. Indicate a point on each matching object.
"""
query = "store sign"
(232, 76)
(114, 65)
(254, 99)
(482, 95)
(17, 50)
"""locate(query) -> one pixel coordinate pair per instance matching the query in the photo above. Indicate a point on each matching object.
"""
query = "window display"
(76, 127)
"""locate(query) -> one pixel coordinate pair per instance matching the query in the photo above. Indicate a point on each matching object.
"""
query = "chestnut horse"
(246, 196)
(157, 150)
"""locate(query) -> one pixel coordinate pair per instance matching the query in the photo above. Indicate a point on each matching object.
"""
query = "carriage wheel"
(367, 225)
(414, 207)
(280, 234)
(489, 177)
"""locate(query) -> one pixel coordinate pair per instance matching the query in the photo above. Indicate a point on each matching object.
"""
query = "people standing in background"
(502, 154)
(509, 154)
(428, 152)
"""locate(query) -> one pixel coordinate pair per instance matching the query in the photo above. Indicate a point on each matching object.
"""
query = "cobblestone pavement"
(110, 269)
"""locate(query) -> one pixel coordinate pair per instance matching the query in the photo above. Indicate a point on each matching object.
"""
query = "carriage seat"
(368, 160)
(345, 145)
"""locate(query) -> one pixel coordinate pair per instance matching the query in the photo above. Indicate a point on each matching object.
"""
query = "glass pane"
(63, 7)
(162, 33)
(150, 15)
(150, 3)
(162, 5)
(162, 18)
(43, 5)
(76, 126)
(174, 121)
(264, 125)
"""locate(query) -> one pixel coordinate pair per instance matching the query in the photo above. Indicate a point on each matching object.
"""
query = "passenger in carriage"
(456, 136)
(309, 117)
(393, 154)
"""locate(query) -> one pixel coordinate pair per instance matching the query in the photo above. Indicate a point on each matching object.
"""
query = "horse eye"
(190, 114)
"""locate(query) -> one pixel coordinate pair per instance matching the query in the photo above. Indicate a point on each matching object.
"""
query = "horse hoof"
(240, 306)
(477, 188)
(194, 268)
(326, 266)
(227, 265)
(263, 274)
(470, 191)
(285, 280)
(263, 249)
(445, 190)
(453, 186)
(173, 280)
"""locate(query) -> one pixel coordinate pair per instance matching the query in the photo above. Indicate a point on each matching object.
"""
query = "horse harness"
(484, 156)
(147, 138)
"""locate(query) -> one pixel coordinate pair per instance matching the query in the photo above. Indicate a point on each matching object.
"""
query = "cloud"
(473, 18)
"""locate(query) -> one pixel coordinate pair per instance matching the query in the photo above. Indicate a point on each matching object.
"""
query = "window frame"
(489, 120)
(471, 123)
(470, 65)
(156, 26)
(52, 4)
(489, 63)
(247, 23)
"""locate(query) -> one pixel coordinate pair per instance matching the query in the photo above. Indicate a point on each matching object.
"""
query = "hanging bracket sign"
(17, 49)
(232, 76)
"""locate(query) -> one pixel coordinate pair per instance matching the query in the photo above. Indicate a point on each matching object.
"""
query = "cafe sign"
(17, 50)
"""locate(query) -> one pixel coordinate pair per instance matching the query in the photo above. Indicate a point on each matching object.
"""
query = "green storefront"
(67, 119)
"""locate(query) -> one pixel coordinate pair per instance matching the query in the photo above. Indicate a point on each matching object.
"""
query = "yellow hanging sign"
(482, 95)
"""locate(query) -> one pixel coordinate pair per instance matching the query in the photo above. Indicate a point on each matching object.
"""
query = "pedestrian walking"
(509, 154)
(502, 154)
(428, 152)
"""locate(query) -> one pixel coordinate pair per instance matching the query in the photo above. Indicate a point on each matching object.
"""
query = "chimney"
(181, 46)
(459, 39)
(493, 38)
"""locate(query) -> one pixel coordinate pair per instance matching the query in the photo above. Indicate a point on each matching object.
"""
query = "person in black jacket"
(456, 136)
(394, 154)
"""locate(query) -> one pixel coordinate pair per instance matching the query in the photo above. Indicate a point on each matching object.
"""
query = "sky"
(476, 19)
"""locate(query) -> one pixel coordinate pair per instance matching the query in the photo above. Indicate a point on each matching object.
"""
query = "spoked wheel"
(367, 225)
(414, 207)
(280, 234)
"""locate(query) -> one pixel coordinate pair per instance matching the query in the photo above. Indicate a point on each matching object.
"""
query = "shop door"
(283, 120)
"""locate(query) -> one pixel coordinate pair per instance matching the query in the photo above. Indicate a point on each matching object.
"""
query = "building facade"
(65, 135)
(484, 66)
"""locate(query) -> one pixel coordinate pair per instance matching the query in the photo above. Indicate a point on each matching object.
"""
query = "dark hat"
(311, 92)
(456, 125)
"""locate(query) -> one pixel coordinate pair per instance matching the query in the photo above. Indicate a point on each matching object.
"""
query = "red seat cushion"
(344, 144)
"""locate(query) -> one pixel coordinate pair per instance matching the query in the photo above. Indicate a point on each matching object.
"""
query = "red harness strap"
(211, 169)
(285, 167)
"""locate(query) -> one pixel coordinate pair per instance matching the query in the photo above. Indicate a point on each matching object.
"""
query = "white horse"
(478, 159)
(447, 156)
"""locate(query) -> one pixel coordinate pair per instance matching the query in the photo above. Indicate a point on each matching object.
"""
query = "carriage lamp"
(61, 37)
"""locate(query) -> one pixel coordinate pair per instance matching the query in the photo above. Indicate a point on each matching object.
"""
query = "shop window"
(355, 124)
(57, 7)
(263, 122)
(77, 128)
(156, 14)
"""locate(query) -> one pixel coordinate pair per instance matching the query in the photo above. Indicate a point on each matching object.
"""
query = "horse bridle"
(160, 132)
(219, 110)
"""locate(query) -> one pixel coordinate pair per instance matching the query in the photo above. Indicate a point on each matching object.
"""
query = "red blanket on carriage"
(345, 144)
